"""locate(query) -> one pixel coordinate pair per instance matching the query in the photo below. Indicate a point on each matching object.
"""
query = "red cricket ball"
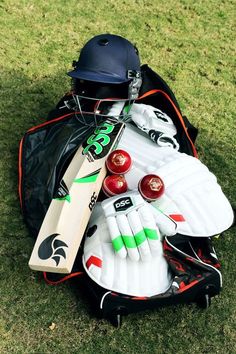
(118, 162)
(151, 187)
(114, 184)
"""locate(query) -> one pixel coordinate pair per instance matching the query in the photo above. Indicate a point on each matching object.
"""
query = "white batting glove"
(157, 124)
(135, 226)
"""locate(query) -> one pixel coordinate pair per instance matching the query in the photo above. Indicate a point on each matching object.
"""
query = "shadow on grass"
(25, 103)
(27, 100)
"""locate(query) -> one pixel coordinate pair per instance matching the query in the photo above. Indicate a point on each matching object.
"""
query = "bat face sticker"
(52, 248)
(73, 201)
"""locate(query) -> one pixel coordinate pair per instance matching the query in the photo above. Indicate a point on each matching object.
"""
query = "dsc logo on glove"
(123, 204)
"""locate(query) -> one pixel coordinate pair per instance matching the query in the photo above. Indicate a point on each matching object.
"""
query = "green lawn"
(192, 45)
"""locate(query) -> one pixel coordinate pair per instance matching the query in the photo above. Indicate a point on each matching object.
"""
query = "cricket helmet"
(107, 58)
(108, 70)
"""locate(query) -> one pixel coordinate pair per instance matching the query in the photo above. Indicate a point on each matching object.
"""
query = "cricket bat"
(67, 217)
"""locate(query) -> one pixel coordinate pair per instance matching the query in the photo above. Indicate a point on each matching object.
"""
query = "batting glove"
(135, 226)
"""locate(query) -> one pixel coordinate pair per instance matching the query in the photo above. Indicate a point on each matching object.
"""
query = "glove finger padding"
(117, 240)
(151, 229)
(133, 228)
(128, 237)
(139, 234)
(166, 225)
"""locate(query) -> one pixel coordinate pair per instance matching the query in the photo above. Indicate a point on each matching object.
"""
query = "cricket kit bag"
(183, 266)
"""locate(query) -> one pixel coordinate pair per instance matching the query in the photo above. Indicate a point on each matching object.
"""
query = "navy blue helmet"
(108, 70)
(108, 59)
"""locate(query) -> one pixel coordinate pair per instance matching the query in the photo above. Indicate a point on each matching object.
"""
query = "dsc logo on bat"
(92, 201)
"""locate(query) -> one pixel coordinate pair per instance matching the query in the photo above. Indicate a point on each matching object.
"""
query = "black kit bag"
(45, 152)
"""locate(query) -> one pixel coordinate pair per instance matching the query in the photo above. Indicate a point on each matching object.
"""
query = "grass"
(191, 44)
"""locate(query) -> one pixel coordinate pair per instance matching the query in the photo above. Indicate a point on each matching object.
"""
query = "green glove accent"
(117, 243)
(133, 242)
(140, 237)
(151, 234)
(129, 241)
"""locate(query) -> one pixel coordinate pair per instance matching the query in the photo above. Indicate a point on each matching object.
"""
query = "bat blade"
(67, 217)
